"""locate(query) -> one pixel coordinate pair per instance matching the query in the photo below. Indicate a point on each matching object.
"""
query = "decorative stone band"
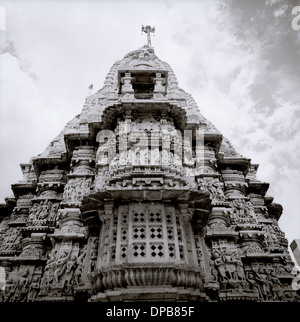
(119, 276)
(71, 230)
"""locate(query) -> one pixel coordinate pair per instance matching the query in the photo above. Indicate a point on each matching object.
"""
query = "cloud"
(244, 77)
(19, 132)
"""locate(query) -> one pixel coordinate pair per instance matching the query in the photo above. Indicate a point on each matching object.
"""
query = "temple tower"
(141, 198)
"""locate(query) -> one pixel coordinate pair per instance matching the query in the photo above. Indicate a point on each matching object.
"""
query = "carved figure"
(164, 157)
(240, 274)
(68, 275)
(253, 285)
(229, 265)
(79, 269)
(61, 265)
(22, 286)
(53, 212)
(155, 157)
(45, 207)
(214, 271)
(48, 273)
(276, 286)
(220, 265)
(270, 236)
(33, 212)
(34, 288)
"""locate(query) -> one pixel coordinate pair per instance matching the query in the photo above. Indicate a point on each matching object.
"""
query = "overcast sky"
(238, 59)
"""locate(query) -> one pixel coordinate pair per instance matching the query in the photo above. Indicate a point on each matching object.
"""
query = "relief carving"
(63, 272)
(213, 186)
(11, 240)
(229, 266)
(266, 282)
(242, 212)
(22, 284)
(76, 188)
(94, 254)
(43, 212)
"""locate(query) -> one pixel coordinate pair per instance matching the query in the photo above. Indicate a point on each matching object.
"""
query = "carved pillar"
(218, 218)
(186, 216)
(159, 88)
(63, 271)
(206, 161)
(6, 263)
(33, 247)
(127, 89)
(106, 218)
(234, 182)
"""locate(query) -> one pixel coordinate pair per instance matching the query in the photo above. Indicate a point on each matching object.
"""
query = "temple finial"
(148, 29)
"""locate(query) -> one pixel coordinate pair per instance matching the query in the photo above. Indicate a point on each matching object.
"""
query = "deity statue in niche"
(33, 212)
(242, 211)
(44, 208)
(270, 236)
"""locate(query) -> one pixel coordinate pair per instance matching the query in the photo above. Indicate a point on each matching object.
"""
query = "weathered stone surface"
(108, 220)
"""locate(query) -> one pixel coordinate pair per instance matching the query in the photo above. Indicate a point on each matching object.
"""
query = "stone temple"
(128, 204)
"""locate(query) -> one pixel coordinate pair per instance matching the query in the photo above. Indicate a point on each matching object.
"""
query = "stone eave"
(77, 136)
(275, 210)
(71, 138)
(238, 163)
(23, 188)
(215, 139)
(57, 159)
(257, 187)
(268, 200)
(91, 217)
(94, 200)
(5, 210)
(109, 114)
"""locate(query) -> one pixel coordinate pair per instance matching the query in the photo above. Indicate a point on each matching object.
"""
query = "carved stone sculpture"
(140, 198)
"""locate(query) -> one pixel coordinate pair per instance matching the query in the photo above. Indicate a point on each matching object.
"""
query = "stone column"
(234, 182)
(186, 216)
(66, 254)
(33, 247)
(127, 89)
(106, 218)
(159, 88)
(6, 263)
